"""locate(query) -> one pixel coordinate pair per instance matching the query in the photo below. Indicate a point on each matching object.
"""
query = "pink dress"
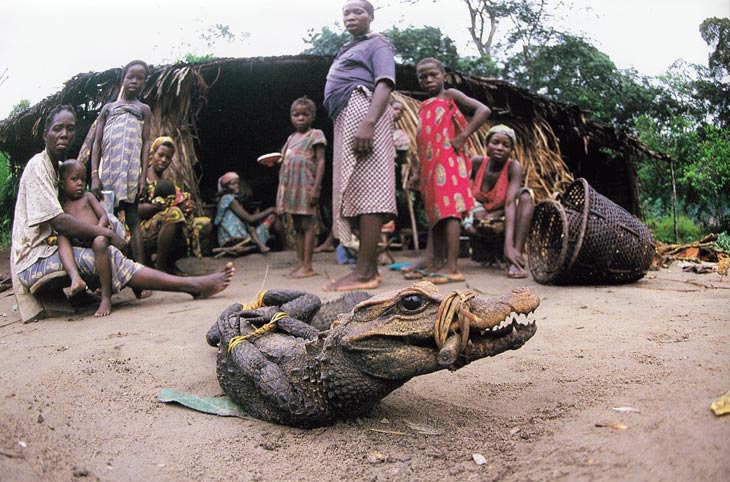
(444, 182)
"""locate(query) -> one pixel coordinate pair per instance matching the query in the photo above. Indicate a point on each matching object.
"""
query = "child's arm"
(512, 254)
(114, 239)
(96, 185)
(365, 133)
(480, 115)
(147, 113)
(247, 217)
(319, 174)
(101, 214)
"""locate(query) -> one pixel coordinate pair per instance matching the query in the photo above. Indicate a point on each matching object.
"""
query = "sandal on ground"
(415, 274)
(360, 285)
(443, 278)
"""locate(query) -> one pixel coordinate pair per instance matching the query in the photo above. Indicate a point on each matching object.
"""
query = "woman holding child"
(169, 225)
(38, 214)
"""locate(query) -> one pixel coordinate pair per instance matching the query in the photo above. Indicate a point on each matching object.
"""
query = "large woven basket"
(587, 239)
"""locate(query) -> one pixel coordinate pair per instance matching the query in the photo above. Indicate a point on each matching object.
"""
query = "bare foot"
(352, 282)
(105, 308)
(325, 247)
(294, 271)
(141, 294)
(77, 286)
(209, 285)
(302, 273)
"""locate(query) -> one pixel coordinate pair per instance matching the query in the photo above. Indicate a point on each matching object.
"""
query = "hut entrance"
(247, 115)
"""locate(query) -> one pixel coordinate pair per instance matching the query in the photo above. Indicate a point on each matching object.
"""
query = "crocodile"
(291, 360)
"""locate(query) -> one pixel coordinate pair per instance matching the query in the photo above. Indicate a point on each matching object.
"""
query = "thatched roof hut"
(225, 113)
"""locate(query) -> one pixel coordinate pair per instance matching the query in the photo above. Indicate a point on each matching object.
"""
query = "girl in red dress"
(445, 164)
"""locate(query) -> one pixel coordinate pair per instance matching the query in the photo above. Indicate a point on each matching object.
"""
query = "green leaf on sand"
(222, 406)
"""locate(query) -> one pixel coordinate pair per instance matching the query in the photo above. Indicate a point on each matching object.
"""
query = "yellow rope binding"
(256, 304)
(453, 308)
(270, 326)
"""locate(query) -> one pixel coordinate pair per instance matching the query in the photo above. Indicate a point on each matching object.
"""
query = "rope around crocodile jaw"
(454, 309)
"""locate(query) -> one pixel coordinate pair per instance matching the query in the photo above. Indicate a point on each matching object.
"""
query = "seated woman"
(170, 228)
(235, 224)
(503, 203)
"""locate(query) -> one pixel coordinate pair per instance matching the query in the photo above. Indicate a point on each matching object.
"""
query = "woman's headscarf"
(226, 178)
(162, 140)
(502, 129)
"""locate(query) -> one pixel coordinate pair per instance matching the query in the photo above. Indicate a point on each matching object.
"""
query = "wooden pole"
(674, 199)
(414, 227)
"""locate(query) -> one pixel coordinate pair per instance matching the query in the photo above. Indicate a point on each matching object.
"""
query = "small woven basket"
(587, 239)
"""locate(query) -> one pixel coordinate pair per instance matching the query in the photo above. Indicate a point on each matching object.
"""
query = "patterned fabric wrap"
(298, 172)
(444, 181)
(121, 150)
(497, 196)
(123, 269)
(232, 229)
(171, 214)
(367, 185)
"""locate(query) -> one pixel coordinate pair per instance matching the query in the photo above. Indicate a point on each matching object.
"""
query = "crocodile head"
(416, 330)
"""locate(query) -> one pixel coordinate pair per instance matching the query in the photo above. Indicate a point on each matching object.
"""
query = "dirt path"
(78, 396)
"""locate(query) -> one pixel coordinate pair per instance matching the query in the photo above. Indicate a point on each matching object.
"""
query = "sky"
(45, 43)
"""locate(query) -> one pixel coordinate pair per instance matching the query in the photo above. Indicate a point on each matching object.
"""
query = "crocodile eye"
(412, 302)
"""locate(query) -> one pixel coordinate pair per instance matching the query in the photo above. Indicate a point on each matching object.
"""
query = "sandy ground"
(78, 395)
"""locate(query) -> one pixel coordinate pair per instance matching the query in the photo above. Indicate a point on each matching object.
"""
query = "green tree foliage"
(9, 177)
(716, 33)
(326, 41)
(413, 44)
(19, 107)
(575, 72)
(209, 38)
(687, 126)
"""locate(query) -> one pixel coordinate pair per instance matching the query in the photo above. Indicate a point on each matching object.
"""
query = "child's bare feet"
(105, 308)
(302, 272)
(209, 285)
(77, 286)
(352, 282)
(326, 247)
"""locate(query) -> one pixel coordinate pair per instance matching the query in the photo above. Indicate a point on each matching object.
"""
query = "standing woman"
(356, 96)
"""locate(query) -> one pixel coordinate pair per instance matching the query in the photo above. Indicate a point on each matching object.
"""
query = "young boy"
(84, 206)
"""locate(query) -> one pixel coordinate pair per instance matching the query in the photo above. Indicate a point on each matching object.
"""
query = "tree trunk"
(674, 199)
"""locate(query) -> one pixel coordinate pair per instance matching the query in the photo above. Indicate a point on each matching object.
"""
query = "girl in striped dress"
(300, 181)
(121, 148)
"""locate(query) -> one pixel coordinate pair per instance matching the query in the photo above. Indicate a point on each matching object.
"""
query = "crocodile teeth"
(511, 321)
